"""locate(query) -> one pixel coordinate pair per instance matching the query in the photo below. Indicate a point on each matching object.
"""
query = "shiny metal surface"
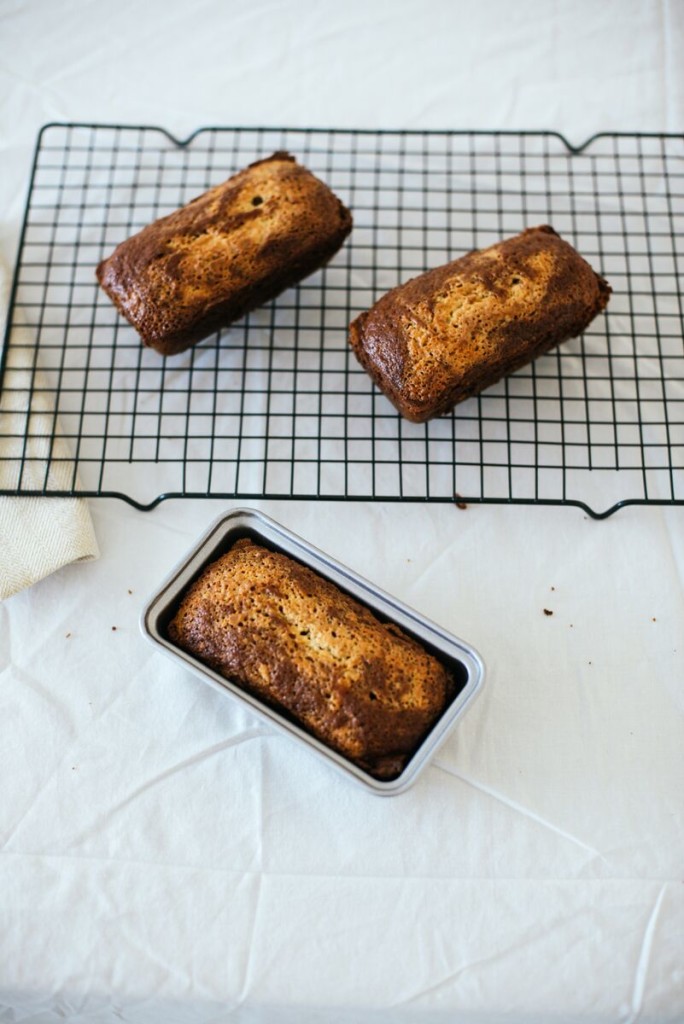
(464, 662)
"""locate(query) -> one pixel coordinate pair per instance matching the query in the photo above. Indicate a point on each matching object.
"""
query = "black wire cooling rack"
(276, 406)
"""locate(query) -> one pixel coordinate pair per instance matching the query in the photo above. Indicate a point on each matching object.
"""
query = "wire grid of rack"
(276, 405)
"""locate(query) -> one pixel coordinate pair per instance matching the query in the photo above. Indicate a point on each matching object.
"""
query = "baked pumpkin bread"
(225, 253)
(293, 639)
(455, 330)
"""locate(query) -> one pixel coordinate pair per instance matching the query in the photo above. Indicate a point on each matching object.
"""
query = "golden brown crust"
(225, 253)
(295, 640)
(455, 330)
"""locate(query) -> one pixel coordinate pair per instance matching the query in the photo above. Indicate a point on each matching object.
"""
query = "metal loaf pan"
(461, 659)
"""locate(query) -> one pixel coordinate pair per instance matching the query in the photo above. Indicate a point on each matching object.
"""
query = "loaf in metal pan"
(295, 640)
(228, 251)
(455, 330)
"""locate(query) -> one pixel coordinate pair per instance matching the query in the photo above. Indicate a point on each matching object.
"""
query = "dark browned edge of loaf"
(577, 294)
(296, 689)
(282, 262)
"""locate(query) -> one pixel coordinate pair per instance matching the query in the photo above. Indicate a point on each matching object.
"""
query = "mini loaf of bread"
(455, 330)
(296, 641)
(225, 253)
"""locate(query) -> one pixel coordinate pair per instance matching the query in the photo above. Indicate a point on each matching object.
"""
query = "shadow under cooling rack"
(276, 405)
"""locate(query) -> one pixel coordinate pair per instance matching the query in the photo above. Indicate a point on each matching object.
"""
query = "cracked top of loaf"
(225, 253)
(292, 638)
(455, 330)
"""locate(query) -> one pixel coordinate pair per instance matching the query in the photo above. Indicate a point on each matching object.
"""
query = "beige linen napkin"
(37, 535)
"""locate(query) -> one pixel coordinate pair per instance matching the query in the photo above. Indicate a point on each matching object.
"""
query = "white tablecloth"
(167, 858)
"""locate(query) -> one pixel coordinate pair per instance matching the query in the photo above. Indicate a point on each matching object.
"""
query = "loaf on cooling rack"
(455, 330)
(296, 641)
(225, 253)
